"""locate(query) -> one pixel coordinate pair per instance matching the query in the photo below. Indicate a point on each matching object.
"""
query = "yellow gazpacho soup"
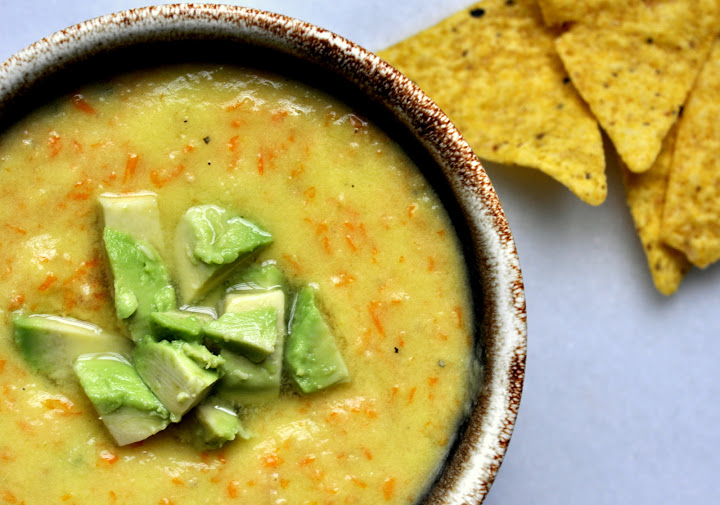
(348, 211)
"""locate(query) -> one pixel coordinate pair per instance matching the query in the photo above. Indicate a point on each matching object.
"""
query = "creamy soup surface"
(348, 211)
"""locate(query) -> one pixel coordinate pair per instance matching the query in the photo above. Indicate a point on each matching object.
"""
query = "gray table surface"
(621, 400)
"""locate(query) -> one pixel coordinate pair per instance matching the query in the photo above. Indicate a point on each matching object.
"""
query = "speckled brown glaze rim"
(473, 465)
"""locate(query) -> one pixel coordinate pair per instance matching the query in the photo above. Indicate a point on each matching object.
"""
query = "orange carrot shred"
(16, 228)
(310, 192)
(66, 497)
(8, 497)
(368, 454)
(284, 483)
(388, 488)
(349, 240)
(165, 501)
(432, 380)
(130, 166)
(16, 302)
(373, 308)
(326, 245)
(49, 281)
(232, 143)
(307, 460)
(411, 396)
(233, 489)
(55, 143)
(178, 481)
(80, 103)
(412, 209)
(271, 460)
(160, 179)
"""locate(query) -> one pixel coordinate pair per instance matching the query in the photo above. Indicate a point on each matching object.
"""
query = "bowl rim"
(474, 465)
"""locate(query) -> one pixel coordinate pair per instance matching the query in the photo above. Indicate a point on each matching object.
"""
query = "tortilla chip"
(557, 12)
(634, 67)
(493, 69)
(646, 197)
(691, 220)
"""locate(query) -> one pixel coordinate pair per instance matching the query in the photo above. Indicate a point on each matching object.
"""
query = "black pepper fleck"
(510, 2)
(649, 40)
(208, 162)
(566, 80)
(477, 13)
(540, 135)
(680, 110)
(396, 350)
(587, 175)
(206, 140)
(465, 53)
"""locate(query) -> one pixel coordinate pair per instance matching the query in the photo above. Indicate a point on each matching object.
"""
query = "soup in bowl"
(370, 200)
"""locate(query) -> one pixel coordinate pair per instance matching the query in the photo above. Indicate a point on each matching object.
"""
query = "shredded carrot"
(284, 483)
(293, 262)
(63, 405)
(271, 460)
(178, 481)
(165, 501)
(395, 389)
(233, 489)
(368, 454)
(130, 166)
(108, 457)
(431, 264)
(250, 483)
(321, 228)
(307, 460)
(113, 496)
(78, 147)
(237, 123)
(188, 148)
(358, 482)
(16, 228)
(55, 143)
(310, 192)
(441, 233)
(326, 245)
(261, 163)
(349, 240)
(411, 396)
(232, 143)
(388, 488)
(66, 497)
(49, 281)
(432, 380)
(279, 115)
(80, 103)
(342, 279)
(8, 497)
(295, 172)
(159, 179)
(412, 209)
(374, 308)
(16, 302)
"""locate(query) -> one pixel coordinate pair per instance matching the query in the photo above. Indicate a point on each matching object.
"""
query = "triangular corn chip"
(691, 220)
(634, 66)
(646, 197)
(494, 70)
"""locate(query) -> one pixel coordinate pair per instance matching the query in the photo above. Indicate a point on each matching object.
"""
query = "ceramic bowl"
(224, 32)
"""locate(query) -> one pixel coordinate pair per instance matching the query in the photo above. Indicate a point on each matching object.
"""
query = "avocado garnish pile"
(183, 362)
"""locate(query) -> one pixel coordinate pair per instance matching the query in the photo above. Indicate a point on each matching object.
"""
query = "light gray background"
(622, 393)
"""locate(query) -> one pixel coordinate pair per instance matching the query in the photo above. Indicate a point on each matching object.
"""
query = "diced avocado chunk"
(130, 411)
(264, 277)
(311, 354)
(200, 354)
(175, 378)
(216, 423)
(140, 279)
(51, 344)
(244, 382)
(178, 324)
(136, 214)
(210, 242)
(252, 333)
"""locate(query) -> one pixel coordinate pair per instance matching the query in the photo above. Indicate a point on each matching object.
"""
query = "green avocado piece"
(51, 344)
(216, 423)
(178, 324)
(311, 354)
(264, 277)
(136, 214)
(252, 333)
(200, 354)
(211, 242)
(140, 279)
(126, 406)
(175, 378)
(244, 382)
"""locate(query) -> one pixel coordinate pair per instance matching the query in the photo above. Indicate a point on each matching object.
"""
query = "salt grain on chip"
(494, 70)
